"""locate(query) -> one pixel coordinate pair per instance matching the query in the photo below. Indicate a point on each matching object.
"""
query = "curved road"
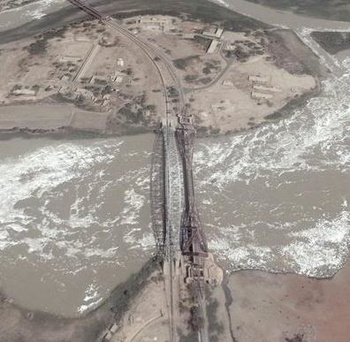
(151, 53)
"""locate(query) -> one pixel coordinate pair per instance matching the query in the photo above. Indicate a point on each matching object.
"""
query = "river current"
(75, 216)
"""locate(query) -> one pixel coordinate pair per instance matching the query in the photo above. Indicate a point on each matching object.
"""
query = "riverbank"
(59, 121)
(289, 307)
(56, 122)
(292, 80)
(64, 13)
(287, 69)
(49, 118)
(20, 324)
(257, 306)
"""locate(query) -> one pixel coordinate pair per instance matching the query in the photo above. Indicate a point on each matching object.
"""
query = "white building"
(213, 46)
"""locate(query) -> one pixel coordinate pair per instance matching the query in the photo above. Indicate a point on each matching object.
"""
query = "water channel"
(74, 214)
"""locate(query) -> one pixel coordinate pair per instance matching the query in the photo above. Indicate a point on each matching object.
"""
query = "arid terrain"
(261, 307)
(73, 73)
(286, 308)
(86, 76)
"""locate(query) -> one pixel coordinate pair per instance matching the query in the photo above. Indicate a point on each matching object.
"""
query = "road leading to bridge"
(177, 228)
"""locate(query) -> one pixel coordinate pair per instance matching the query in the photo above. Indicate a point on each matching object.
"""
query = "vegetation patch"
(40, 45)
(333, 42)
(202, 41)
(183, 63)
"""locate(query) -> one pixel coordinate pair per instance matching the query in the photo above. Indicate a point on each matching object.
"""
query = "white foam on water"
(38, 9)
(134, 203)
(324, 246)
(92, 299)
(222, 3)
(57, 210)
(31, 187)
(147, 241)
(312, 142)
(280, 147)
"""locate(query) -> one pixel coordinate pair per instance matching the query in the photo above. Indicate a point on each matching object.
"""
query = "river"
(283, 19)
(278, 198)
(74, 219)
(74, 214)
(18, 16)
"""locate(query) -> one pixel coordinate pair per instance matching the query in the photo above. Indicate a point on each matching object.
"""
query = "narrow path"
(214, 81)
(144, 326)
(86, 62)
(327, 59)
(228, 302)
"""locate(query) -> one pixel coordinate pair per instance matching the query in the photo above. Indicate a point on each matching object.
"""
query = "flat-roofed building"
(213, 32)
(260, 96)
(258, 79)
(213, 46)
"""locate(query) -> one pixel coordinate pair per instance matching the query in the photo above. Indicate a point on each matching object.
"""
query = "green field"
(326, 9)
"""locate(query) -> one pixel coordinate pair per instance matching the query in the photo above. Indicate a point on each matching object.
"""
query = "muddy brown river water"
(280, 18)
(75, 221)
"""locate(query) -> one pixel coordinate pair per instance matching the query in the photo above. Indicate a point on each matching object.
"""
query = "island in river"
(291, 302)
(86, 76)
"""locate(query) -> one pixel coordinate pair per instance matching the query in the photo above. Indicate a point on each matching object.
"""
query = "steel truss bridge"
(176, 223)
(175, 220)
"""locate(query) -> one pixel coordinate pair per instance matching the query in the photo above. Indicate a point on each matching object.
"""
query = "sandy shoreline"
(39, 118)
(265, 307)
(301, 308)
(61, 119)
(276, 307)
(25, 325)
(50, 117)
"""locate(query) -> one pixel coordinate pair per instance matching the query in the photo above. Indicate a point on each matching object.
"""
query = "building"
(72, 59)
(156, 23)
(230, 46)
(227, 83)
(267, 89)
(118, 79)
(258, 79)
(260, 96)
(213, 33)
(24, 92)
(85, 93)
(213, 46)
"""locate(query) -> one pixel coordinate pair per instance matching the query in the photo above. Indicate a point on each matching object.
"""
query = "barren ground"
(249, 76)
(86, 66)
(265, 307)
(289, 308)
